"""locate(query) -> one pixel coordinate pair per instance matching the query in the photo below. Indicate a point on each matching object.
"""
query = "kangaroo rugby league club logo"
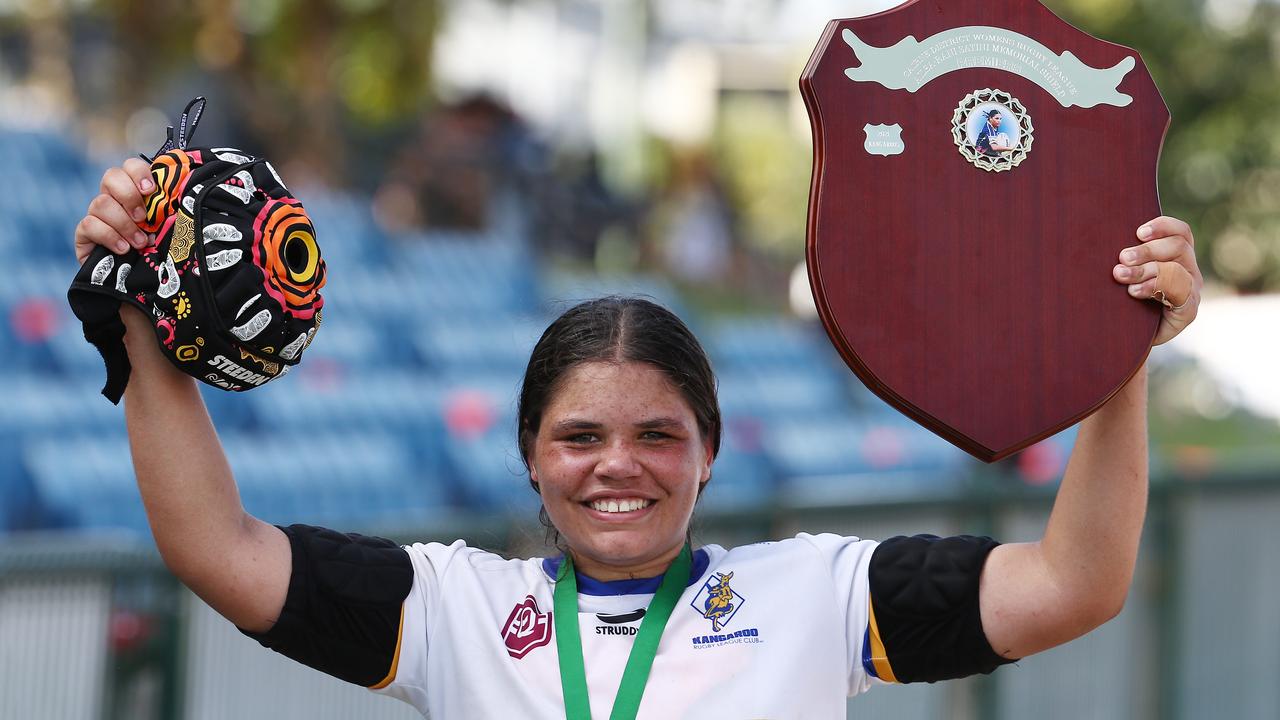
(718, 602)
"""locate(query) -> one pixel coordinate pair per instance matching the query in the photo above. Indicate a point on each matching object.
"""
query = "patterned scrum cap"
(232, 283)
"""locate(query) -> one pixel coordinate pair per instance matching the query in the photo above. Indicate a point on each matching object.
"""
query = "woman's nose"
(618, 461)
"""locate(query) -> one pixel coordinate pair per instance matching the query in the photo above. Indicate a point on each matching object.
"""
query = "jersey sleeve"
(924, 620)
(847, 560)
(345, 605)
(431, 563)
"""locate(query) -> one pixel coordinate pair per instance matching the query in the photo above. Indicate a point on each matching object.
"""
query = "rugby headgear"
(232, 282)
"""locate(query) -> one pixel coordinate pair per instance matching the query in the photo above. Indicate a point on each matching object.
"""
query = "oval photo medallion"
(992, 130)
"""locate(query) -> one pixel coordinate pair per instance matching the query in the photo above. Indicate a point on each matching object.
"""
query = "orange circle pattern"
(170, 172)
(284, 227)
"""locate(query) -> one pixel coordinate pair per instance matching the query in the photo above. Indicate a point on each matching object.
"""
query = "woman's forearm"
(183, 475)
(1091, 542)
(1037, 595)
(236, 563)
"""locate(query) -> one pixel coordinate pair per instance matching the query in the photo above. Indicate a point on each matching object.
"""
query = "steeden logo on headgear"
(526, 628)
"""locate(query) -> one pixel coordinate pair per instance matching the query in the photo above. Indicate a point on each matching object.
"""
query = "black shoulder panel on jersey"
(342, 614)
(924, 593)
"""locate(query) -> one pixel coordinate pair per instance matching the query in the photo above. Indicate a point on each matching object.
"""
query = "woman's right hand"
(113, 216)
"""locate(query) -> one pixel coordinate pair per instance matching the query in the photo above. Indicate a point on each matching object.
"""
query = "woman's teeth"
(614, 506)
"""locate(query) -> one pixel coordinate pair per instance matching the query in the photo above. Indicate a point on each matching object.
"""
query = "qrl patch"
(526, 628)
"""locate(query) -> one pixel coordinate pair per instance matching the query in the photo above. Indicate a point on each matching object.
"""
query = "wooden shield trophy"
(978, 166)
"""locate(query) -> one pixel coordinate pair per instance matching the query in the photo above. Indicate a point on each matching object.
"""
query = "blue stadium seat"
(345, 338)
(488, 468)
(563, 290)
(228, 410)
(33, 303)
(811, 446)
(345, 229)
(474, 409)
(500, 345)
(35, 409)
(477, 412)
(89, 481)
(774, 392)
(44, 152)
(396, 297)
(405, 405)
(20, 505)
(338, 479)
(476, 278)
(48, 235)
(742, 476)
(772, 343)
(844, 458)
(36, 405)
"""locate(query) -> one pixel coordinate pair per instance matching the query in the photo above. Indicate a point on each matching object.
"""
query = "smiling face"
(619, 460)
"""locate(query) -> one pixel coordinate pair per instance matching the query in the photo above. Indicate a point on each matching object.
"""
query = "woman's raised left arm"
(1037, 595)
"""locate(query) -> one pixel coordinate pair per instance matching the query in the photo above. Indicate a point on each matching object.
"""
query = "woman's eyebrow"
(662, 422)
(575, 424)
(581, 424)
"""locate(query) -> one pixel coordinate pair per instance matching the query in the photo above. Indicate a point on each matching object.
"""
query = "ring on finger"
(1159, 295)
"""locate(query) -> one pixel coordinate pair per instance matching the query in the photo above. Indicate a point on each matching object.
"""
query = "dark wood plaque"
(978, 166)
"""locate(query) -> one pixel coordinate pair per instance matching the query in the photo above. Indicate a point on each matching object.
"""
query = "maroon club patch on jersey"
(526, 628)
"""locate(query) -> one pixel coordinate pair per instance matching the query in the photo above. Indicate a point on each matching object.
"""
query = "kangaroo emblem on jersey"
(718, 603)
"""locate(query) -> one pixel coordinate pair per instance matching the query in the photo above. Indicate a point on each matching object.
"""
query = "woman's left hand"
(1164, 266)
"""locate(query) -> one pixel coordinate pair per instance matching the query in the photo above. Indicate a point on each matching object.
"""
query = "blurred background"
(473, 168)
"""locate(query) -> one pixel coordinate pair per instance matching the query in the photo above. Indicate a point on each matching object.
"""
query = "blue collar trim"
(635, 586)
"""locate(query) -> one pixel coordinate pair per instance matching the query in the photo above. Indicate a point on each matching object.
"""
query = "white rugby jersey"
(477, 637)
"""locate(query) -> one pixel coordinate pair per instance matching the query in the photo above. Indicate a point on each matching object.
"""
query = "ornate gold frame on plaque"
(959, 129)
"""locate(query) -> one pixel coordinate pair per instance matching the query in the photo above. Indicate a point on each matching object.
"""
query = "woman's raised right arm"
(236, 563)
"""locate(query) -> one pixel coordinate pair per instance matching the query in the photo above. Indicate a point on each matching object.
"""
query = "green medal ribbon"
(573, 673)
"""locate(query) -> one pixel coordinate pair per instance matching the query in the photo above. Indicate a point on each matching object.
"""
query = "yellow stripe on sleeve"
(879, 656)
(395, 659)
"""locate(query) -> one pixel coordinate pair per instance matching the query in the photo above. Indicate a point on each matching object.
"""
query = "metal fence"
(94, 627)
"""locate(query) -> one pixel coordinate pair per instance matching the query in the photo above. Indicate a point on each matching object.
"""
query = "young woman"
(991, 142)
(619, 427)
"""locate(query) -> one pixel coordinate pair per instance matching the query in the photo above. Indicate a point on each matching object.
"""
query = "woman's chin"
(623, 557)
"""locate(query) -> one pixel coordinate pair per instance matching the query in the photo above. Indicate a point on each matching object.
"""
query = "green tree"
(312, 78)
(1220, 169)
